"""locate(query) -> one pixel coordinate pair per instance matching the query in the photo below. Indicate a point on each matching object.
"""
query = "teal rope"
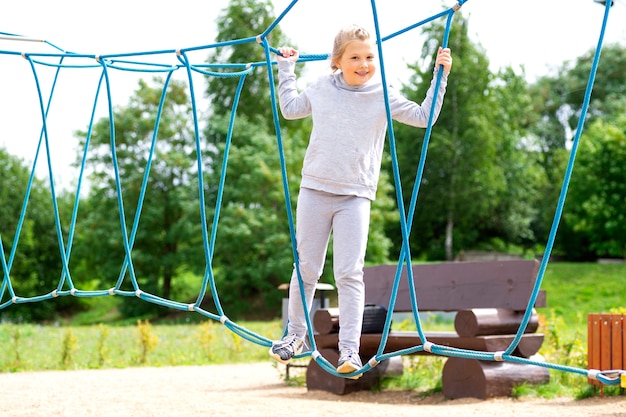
(404, 224)
(144, 184)
(73, 220)
(287, 194)
(120, 63)
(44, 109)
(568, 174)
(605, 378)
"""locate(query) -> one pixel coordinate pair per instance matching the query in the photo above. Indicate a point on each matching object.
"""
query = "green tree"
(254, 251)
(240, 20)
(169, 219)
(596, 207)
(36, 266)
(609, 88)
(558, 104)
(514, 219)
(475, 141)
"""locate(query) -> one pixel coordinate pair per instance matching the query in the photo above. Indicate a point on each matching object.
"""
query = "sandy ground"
(245, 390)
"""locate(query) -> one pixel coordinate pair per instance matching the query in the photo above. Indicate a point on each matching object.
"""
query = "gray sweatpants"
(318, 213)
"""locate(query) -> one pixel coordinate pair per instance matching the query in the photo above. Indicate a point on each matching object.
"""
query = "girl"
(340, 176)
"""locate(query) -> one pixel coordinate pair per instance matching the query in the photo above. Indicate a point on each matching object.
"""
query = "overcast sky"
(537, 34)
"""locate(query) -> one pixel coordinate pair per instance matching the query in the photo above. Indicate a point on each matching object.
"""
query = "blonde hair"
(343, 38)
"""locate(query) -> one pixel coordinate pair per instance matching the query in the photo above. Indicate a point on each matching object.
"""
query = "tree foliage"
(169, 219)
(559, 101)
(240, 20)
(31, 249)
(255, 254)
(596, 209)
(495, 165)
(609, 88)
(476, 175)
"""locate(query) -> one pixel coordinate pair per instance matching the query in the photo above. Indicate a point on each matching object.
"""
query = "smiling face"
(358, 62)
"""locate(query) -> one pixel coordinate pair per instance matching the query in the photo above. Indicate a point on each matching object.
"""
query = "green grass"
(577, 289)
(28, 347)
(573, 291)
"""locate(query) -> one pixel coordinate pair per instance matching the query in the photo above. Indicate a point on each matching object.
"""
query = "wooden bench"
(489, 299)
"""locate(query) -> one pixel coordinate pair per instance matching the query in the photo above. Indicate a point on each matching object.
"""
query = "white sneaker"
(349, 361)
(285, 349)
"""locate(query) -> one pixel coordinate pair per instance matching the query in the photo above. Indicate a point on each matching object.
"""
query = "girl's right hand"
(287, 53)
(444, 58)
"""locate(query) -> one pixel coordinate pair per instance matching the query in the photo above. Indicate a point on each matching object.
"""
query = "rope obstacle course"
(184, 62)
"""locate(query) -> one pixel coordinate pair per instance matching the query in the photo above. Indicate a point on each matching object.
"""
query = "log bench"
(489, 299)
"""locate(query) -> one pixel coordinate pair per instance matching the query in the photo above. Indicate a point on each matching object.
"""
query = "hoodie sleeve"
(293, 105)
(411, 113)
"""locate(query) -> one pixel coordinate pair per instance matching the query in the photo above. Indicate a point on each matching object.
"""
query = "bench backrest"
(452, 286)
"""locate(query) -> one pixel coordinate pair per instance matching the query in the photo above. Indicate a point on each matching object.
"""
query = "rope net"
(188, 62)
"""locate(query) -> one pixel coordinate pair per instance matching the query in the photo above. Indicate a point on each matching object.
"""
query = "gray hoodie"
(349, 126)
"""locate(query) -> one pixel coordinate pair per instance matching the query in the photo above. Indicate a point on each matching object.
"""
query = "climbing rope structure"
(137, 62)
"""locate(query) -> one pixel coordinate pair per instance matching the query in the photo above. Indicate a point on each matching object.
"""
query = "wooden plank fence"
(606, 342)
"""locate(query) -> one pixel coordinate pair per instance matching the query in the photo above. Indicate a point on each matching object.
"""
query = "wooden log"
(483, 321)
(318, 379)
(528, 346)
(370, 343)
(463, 378)
(326, 320)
